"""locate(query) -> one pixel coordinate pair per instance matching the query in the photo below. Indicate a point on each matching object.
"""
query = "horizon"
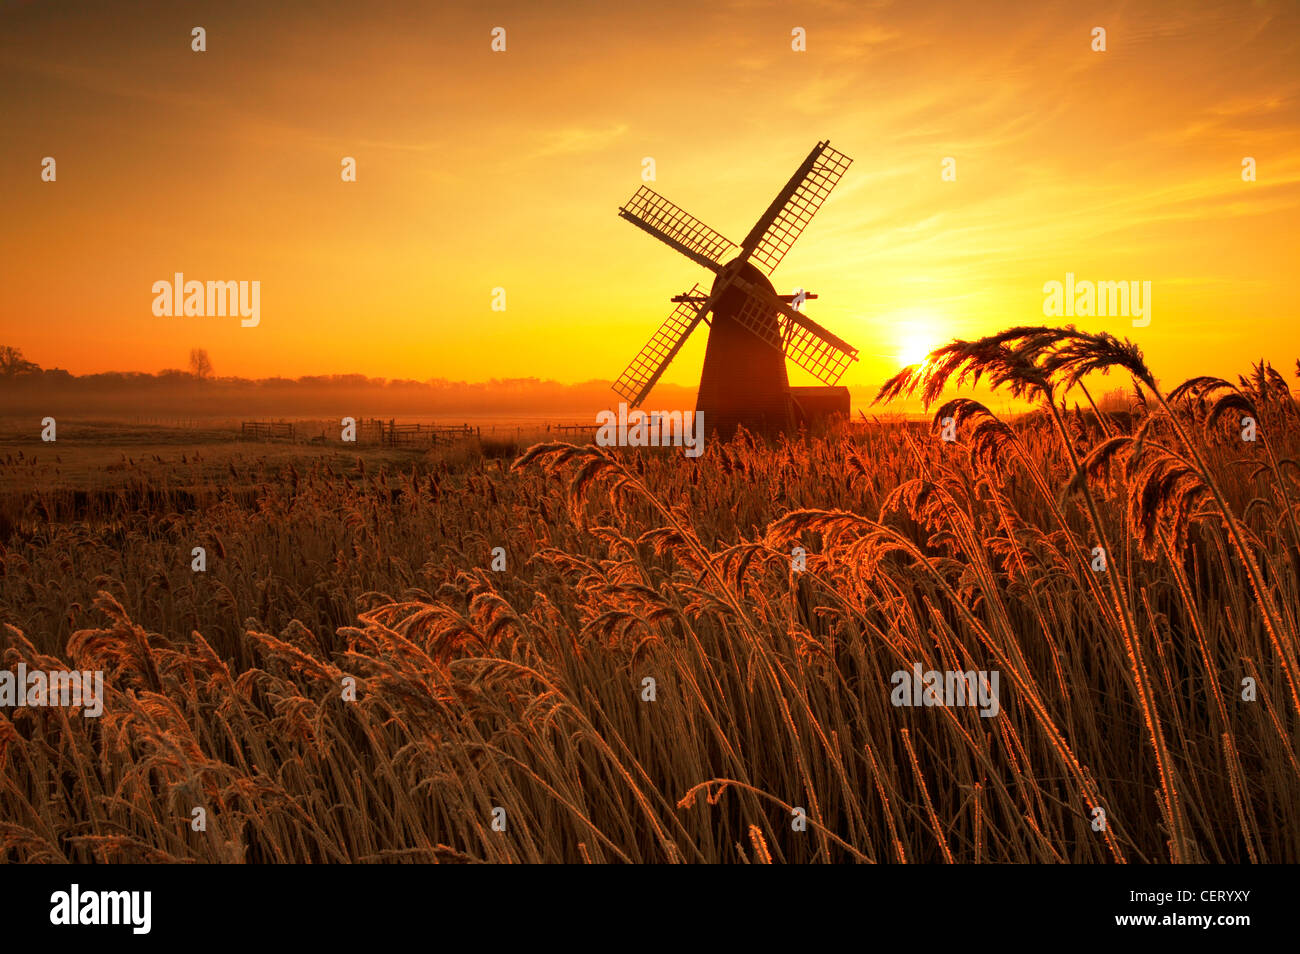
(482, 401)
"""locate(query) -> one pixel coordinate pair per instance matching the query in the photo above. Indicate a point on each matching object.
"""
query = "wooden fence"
(389, 433)
(392, 434)
(265, 430)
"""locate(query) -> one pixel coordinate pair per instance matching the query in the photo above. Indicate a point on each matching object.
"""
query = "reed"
(771, 737)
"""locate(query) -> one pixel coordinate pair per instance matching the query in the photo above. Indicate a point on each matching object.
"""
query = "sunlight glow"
(914, 352)
(917, 335)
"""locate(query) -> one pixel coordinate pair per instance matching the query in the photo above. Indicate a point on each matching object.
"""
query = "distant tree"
(200, 365)
(12, 362)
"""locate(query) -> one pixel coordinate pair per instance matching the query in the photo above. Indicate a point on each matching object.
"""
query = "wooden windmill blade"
(650, 363)
(818, 351)
(794, 206)
(677, 228)
(824, 355)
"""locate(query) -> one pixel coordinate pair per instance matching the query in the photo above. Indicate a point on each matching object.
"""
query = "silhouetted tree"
(12, 362)
(200, 366)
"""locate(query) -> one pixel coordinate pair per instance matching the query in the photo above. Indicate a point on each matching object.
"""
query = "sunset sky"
(479, 169)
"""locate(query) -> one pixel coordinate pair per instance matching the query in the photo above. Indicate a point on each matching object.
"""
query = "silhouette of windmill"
(753, 329)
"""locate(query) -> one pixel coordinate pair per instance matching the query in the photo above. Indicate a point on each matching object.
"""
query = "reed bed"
(524, 689)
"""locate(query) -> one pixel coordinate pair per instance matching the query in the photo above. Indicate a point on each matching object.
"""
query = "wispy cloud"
(574, 140)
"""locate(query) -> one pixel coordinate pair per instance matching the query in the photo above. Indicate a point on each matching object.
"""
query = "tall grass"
(523, 689)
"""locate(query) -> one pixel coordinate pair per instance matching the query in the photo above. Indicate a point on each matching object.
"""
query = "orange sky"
(479, 169)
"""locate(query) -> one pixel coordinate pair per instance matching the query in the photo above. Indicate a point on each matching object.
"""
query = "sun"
(917, 332)
(914, 349)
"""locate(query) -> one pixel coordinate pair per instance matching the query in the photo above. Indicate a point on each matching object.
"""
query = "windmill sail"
(824, 355)
(676, 227)
(794, 206)
(640, 376)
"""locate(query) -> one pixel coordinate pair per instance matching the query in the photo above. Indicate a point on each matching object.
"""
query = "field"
(657, 673)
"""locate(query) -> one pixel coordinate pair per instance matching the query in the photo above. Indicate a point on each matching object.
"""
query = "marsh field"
(674, 659)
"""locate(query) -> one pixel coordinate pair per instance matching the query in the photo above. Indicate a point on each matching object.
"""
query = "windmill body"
(744, 379)
(752, 330)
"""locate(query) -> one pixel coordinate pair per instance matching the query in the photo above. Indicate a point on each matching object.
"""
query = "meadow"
(682, 660)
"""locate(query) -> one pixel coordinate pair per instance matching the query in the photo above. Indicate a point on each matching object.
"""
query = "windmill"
(753, 329)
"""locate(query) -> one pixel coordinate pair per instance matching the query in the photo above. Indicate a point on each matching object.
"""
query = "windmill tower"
(753, 329)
